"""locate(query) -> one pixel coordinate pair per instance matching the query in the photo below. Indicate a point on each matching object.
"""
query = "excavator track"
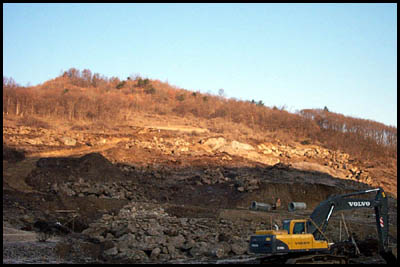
(319, 259)
(295, 258)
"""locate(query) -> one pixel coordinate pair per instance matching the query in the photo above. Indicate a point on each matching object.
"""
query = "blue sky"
(343, 56)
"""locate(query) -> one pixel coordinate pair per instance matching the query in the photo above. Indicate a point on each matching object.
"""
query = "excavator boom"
(322, 213)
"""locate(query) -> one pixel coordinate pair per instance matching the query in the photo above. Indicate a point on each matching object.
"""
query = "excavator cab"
(294, 226)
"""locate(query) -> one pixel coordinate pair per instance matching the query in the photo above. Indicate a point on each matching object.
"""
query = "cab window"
(298, 228)
(286, 225)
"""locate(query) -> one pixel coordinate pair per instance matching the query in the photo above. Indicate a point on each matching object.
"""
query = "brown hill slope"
(81, 100)
(168, 143)
(83, 96)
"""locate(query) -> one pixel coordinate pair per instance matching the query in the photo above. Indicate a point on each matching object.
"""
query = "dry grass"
(34, 122)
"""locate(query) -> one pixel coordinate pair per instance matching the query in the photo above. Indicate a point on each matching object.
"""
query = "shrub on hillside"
(31, 121)
(120, 85)
(150, 90)
(143, 82)
(180, 97)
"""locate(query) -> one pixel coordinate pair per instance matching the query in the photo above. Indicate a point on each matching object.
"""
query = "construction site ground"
(182, 173)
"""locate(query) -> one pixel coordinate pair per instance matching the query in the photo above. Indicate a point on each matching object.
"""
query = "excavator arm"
(323, 212)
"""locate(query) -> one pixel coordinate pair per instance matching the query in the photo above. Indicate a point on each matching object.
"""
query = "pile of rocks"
(118, 190)
(242, 183)
(144, 232)
(213, 176)
(52, 138)
(247, 183)
(335, 160)
(235, 148)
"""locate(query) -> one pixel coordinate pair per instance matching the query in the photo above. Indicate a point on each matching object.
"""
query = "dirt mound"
(12, 155)
(92, 167)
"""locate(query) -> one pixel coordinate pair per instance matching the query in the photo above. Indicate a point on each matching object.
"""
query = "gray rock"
(171, 251)
(94, 232)
(109, 236)
(153, 231)
(225, 246)
(111, 252)
(189, 244)
(239, 248)
(177, 241)
(118, 229)
(140, 255)
(66, 190)
(199, 249)
(125, 253)
(155, 253)
(217, 252)
(126, 241)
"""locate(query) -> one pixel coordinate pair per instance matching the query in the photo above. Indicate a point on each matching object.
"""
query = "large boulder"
(239, 247)
(215, 143)
(177, 241)
(68, 141)
(155, 253)
(96, 230)
(111, 252)
(200, 249)
(221, 249)
(126, 241)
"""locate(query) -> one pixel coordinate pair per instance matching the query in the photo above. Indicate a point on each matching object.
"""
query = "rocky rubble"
(144, 232)
(118, 190)
(336, 162)
(24, 135)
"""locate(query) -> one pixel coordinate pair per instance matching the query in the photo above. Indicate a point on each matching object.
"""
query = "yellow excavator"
(304, 240)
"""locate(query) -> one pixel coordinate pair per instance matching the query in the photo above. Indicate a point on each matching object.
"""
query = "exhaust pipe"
(296, 206)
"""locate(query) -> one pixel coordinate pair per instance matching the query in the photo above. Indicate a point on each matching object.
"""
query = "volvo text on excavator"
(305, 239)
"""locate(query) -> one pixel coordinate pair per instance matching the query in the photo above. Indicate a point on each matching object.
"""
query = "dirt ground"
(103, 171)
